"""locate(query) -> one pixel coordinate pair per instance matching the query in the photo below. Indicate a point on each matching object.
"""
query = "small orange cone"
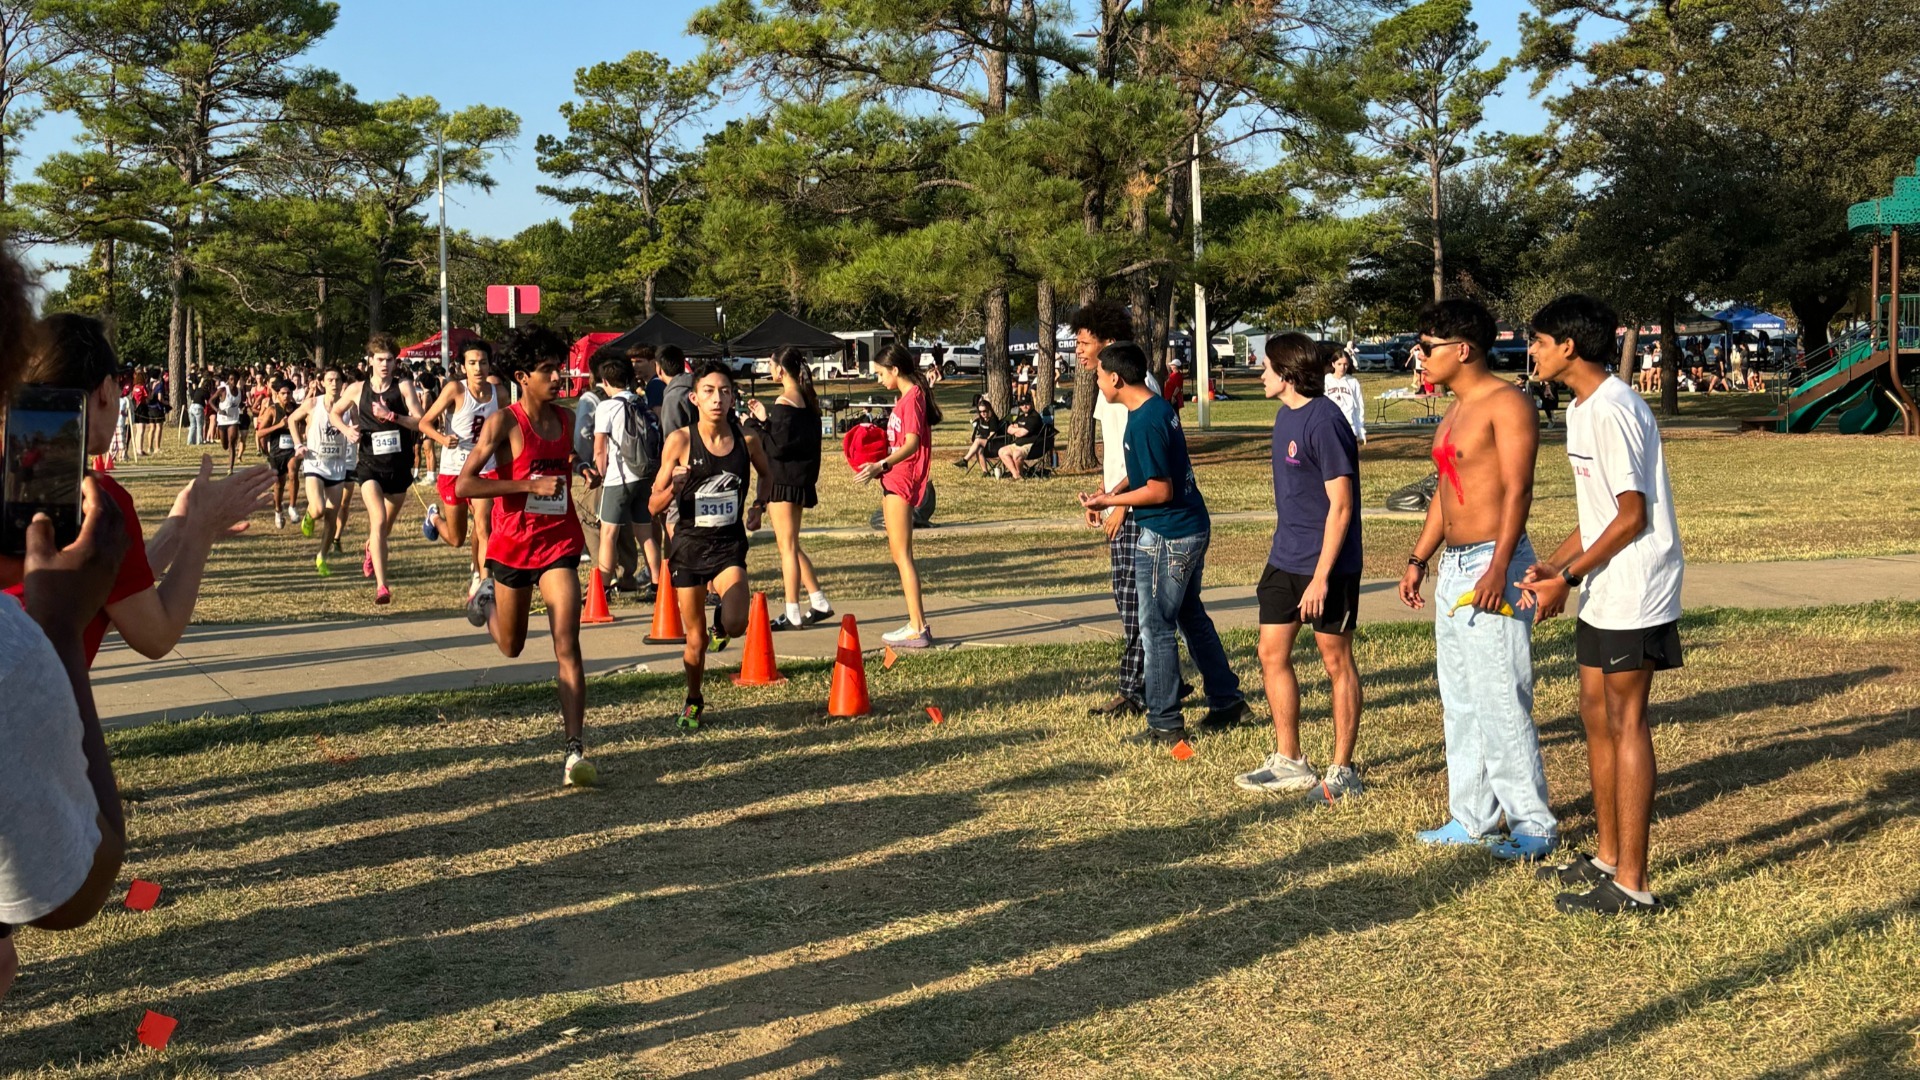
(891, 657)
(666, 616)
(934, 714)
(596, 601)
(757, 668)
(1181, 750)
(849, 694)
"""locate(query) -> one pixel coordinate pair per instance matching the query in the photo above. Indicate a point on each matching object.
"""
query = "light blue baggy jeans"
(1485, 663)
(196, 426)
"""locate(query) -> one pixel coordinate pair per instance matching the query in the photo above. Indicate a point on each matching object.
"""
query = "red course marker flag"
(155, 1029)
(1181, 751)
(892, 656)
(142, 895)
(938, 716)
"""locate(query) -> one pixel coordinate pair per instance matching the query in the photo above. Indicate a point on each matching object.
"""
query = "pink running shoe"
(384, 596)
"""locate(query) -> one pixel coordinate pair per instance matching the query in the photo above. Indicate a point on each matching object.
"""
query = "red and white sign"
(500, 299)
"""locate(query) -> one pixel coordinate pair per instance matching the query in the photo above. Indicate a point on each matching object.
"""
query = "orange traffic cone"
(666, 617)
(758, 668)
(849, 694)
(596, 600)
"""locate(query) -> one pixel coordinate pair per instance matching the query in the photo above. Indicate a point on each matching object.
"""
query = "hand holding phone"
(68, 585)
(46, 455)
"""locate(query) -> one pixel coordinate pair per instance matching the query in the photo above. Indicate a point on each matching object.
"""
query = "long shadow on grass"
(1775, 965)
(1187, 923)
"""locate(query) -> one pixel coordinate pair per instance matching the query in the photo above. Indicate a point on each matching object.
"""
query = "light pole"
(1202, 353)
(446, 321)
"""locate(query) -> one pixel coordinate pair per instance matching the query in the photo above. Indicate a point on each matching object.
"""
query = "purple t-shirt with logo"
(1312, 445)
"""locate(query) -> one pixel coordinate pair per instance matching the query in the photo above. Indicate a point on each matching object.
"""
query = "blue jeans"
(196, 425)
(1485, 664)
(1166, 580)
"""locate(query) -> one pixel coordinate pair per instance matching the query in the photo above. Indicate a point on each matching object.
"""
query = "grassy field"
(1741, 498)
(399, 888)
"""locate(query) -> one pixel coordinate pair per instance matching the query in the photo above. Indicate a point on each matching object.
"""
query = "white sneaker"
(908, 638)
(579, 772)
(1280, 773)
(279, 521)
(473, 586)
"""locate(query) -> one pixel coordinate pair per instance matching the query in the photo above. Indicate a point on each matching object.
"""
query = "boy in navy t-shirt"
(1313, 570)
(1174, 533)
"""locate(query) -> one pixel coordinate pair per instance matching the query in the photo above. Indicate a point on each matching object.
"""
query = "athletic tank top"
(230, 408)
(464, 425)
(383, 439)
(531, 532)
(324, 441)
(713, 499)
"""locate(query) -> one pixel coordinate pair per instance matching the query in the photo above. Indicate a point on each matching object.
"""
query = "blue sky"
(523, 56)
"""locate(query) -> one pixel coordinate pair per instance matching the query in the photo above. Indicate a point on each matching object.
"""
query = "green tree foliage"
(1420, 73)
(627, 152)
(171, 94)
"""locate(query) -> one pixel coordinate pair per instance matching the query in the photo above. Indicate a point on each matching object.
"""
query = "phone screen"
(45, 461)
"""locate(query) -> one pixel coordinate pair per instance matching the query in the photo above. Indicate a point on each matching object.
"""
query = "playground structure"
(1860, 374)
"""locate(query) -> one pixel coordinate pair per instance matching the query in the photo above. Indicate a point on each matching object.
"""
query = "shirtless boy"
(1484, 451)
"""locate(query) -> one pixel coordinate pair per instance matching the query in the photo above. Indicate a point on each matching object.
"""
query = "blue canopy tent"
(1741, 317)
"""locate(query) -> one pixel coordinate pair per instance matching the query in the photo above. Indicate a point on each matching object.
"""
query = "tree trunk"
(1669, 358)
(1629, 347)
(376, 300)
(1080, 456)
(320, 326)
(177, 327)
(1433, 222)
(993, 353)
(1815, 312)
(107, 309)
(651, 284)
(1046, 362)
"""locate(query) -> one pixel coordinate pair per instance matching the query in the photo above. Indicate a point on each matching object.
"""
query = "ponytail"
(789, 359)
(897, 358)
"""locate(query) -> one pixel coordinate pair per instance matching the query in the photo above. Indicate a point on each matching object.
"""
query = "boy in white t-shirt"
(1625, 556)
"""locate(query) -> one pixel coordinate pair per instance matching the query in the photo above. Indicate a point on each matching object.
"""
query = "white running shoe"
(473, 586)
(908, 638)
(480, 603)
(1280, 773)
(279, 521)
(579, 771)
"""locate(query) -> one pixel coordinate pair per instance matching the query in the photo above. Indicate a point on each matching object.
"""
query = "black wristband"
(1415, 560)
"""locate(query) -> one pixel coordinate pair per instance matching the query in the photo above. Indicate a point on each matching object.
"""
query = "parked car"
(1372, 358)
(1508, 356)
(959, 360)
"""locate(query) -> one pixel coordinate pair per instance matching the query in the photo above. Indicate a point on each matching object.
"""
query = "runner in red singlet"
(536, 538)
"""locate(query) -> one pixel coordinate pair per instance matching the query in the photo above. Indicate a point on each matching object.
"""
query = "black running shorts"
(1612, 651)
(1280, 593)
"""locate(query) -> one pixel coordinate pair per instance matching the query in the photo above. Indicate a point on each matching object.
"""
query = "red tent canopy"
(580, 357)
(430, 348)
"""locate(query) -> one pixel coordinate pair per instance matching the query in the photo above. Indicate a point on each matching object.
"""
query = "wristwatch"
(1572, 579)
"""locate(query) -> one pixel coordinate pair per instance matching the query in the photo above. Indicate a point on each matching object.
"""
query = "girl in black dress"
(986, 428)
(792, 426)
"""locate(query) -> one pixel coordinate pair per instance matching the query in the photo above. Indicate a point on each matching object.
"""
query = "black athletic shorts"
(512, 577)
(281, 462)
(1656, 647)
(696, 565)
(1280, 593)
(394, 479)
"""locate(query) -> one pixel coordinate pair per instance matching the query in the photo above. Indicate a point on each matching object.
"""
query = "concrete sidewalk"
(230, 669)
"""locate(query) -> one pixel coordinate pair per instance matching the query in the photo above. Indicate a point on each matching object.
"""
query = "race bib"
(285, 442)
(551, 505)
(386, 442)
(452, 460)
(716, 511)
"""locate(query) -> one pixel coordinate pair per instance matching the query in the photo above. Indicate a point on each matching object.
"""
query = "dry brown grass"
(1010, 893)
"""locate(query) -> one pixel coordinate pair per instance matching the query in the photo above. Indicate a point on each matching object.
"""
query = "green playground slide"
(1854, 384)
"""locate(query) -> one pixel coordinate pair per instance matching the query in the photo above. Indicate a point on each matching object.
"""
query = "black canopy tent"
(659, 330)
(780, 329)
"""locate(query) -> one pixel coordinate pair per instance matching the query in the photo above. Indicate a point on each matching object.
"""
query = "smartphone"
(46, 457)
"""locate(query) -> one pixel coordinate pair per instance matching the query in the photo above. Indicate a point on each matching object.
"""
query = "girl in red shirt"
(536, 537)
(903, 480)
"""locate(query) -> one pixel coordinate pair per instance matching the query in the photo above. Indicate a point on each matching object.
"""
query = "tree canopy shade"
(780, 329)
(659, 330)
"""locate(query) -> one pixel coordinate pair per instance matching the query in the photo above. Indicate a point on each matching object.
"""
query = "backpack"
(645, 438)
